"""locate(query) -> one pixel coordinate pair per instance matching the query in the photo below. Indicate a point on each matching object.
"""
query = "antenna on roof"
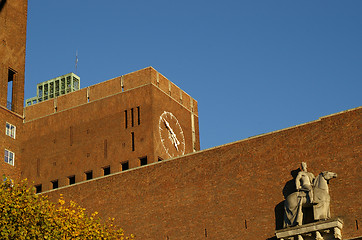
(76, 61)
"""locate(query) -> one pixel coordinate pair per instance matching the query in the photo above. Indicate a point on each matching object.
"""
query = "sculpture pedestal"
(330, 229)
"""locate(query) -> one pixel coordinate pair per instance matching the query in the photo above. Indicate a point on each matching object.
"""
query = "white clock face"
(171, 134)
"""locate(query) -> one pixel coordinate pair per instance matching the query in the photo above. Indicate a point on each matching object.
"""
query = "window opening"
(71, 180)
(89, 175)
(132, 133)
(51, 90)
(10, 130)
(75, 83)
(143, 161)
(106, 170)
(11, 78)
(125, 166)
(55, 184)
(9, 157)
(40, 93)
(160, 159)
(125, 119)
(62, 85)
(46, 92)
(69, 84)
(138, 116)
(132, 118)
(38, 188)
(57, 88)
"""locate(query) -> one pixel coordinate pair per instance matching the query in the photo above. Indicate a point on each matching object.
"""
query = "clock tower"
(126, 122)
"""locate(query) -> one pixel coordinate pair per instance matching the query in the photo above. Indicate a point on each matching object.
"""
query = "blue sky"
(254, 66)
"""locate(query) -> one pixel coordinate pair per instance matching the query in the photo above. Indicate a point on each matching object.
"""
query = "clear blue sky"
(254, 66)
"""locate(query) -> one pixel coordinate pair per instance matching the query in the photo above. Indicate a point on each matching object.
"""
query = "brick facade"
(234, 191)
(101, 126)
(13, 15)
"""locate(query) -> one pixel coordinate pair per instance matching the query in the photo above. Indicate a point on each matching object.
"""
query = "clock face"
(171, 134)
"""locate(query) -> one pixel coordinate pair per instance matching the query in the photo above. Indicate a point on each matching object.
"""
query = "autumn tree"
(26, 215)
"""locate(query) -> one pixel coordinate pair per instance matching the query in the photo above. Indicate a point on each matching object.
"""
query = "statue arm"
(297, 181)
(312, 178)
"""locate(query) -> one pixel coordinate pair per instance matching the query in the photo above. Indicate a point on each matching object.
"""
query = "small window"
(138, 116)
(71, 180)
(9, 157)
(132, 133)
(55, 184)
(125, 166)
(11, 80)
(38, 188)
(10, 130)
(125, 119)
(89, 175)
(160, 159)
(143, 161)
(106, 170)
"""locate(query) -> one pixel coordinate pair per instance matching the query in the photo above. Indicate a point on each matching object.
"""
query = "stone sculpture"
(311, 193)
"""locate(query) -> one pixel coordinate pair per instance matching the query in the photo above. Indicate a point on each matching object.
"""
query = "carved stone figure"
(304, 182)
(311, 193)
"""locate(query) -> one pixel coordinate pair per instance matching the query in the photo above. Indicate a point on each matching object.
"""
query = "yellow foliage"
(25, 215)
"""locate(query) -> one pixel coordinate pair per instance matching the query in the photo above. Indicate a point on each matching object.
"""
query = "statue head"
(304, 166)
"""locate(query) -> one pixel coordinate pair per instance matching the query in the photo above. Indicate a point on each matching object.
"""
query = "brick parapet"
(234, 191)
(109, 88)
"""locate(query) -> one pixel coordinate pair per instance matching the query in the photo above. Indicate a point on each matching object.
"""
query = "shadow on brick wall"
(272, 238)
(2, 3)
(289, 188)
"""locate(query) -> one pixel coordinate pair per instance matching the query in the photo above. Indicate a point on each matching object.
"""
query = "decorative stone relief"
(312, 192)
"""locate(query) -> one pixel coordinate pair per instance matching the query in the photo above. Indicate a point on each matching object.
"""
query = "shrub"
(26, 215)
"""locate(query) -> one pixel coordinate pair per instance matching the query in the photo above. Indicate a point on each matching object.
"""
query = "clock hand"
(175, 141)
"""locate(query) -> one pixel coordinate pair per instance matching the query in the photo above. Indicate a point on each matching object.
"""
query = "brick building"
(129, 148)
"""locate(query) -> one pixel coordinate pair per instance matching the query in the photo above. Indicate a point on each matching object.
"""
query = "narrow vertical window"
(143, 161)
(138, 116)
(38, 188)
(125, 119)
(125, 166)
(132, 118)
(9, 157)
(71, 180)
(132, 133)
(106, 170)
(11, 79)
(55, 184)
(88, 175)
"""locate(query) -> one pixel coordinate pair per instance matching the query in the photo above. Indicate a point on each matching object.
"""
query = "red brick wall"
(67, 101)
(108, 88)
(13, 145)
(80, 136)
(231, 191)
(12, 51)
